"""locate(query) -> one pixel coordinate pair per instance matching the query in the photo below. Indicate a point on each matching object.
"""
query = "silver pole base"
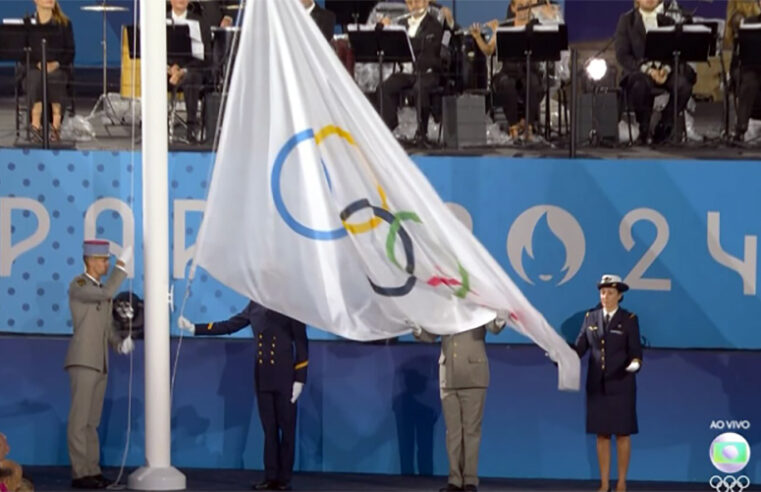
(151, 478)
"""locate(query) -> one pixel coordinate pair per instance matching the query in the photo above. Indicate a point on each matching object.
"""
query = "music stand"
(535, 42)
(103, 98)
(350, 11)
(178, 45)
(672, 44)
(371, 45)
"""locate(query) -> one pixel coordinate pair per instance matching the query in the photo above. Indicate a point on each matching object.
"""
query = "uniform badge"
(593, 327)
(81, 282)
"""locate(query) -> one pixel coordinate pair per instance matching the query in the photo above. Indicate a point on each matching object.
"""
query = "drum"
(470, 64)
(224, 45)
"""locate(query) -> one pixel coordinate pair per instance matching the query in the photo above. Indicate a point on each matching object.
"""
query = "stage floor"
(58, 479)
(707, 118)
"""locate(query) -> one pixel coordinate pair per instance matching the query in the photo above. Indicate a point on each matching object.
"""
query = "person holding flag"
(280, 373)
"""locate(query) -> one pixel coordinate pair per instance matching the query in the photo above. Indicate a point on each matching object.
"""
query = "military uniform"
(281, 360)
(463, 379)
(87, 364)
(611, 390)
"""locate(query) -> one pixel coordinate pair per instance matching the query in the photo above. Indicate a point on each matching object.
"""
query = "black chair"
(23, 112)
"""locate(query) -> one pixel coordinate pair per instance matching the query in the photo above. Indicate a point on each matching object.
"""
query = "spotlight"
(596, 69)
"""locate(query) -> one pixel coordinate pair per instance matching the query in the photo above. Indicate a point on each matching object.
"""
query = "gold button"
(260, 344)
(272, 361)
(455, 356)
(260, 352)
(260, 361)
(455, 344)
(272, 353)
(603, 342)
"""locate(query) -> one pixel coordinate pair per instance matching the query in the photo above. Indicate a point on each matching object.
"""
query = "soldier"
(463, 379)
(281, 371)
(611, 333)
(90, 302)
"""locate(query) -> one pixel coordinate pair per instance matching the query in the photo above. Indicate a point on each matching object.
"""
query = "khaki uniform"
(463, 379)
(87, 365)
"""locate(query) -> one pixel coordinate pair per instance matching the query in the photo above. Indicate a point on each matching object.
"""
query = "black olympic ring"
(409, 254)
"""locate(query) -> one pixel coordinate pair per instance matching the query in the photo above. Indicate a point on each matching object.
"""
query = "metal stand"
(103, 104)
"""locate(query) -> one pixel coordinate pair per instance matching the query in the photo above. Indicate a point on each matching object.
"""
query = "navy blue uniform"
(281, 359)
(611, 390)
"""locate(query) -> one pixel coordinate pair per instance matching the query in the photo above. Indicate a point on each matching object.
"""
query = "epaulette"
(632, 315)
(81, 282)
(587, 316)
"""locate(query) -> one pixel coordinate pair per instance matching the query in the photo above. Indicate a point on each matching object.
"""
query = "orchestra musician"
(425, 34)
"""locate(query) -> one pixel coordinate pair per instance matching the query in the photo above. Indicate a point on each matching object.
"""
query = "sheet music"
(685, 28)
(13, 22)
(750, 26)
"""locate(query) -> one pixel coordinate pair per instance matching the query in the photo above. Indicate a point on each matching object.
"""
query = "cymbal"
(104, 8)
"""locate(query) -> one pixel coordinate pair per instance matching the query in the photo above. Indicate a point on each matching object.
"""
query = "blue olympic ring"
(277, 169)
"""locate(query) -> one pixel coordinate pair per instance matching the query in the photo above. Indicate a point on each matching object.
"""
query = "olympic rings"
(380, 214)
(729, 482)
(409, 253)
(290, 220)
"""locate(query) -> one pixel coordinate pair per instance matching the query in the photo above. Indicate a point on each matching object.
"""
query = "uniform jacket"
(611, 350)
(426, 45)
(281, 345)
(630, 43)
(463, 362)
(92, 321)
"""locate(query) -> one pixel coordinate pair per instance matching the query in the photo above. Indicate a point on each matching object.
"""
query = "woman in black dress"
(611, 335)
(60, 56)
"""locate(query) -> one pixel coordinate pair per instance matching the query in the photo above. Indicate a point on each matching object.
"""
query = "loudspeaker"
(211, 104)
(598, 112)
(464, 120)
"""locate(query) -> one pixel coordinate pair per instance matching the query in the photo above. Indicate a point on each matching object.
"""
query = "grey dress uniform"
(463, 379)
(87, 365)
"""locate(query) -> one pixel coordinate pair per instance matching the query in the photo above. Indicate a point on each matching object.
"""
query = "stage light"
(596, 69)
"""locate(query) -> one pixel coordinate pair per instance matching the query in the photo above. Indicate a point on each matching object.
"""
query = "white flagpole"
(158, 473)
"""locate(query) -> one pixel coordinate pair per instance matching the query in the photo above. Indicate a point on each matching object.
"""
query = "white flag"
(315, 211)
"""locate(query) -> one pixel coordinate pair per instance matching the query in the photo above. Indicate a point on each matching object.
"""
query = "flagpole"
(158, 473)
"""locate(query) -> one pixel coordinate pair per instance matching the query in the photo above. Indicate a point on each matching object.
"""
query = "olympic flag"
(315, 211)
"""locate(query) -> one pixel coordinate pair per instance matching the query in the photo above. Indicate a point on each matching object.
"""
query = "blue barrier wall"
(682, 233)
(375, 409)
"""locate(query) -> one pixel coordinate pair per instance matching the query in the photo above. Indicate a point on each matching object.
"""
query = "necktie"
(606, 322)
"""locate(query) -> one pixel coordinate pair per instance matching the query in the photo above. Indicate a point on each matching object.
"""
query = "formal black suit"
(638, 86)
(426, 45)
(198, 70)
(60, 48)
(510, 88)
(748, 88)
(212, 12)
(281, 360)
(325, 20)
(611, 390)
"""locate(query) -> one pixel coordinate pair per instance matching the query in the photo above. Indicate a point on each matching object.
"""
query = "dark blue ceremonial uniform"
(611, 390)
(281, 359)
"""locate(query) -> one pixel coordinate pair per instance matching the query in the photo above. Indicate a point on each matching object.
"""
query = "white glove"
(185, 324)
(633, 366)
(126, 255)
(500, 322)
(297, 387)
(126, 346)
(416, 330)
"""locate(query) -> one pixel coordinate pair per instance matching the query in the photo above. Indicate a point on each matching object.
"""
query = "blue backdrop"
(682, 233)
